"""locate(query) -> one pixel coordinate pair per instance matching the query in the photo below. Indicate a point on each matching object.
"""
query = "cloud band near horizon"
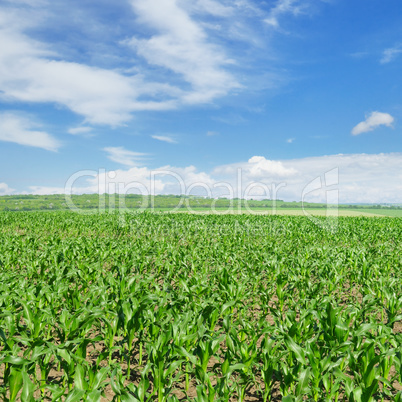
(362, 178)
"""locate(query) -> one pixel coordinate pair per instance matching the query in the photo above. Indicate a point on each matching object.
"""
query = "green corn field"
(180, 307)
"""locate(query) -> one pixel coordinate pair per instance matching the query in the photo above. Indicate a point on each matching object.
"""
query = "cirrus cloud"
(124, 156)
(164, 138)
(390, 54)
(294, 7)
(28, 73)
(182, 46)
(21, 130)
(81, 130)
(36, 71)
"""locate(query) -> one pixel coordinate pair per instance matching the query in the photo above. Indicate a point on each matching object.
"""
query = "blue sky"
(284, 90)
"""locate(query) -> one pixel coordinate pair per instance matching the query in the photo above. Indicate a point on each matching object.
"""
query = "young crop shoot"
(178, 307)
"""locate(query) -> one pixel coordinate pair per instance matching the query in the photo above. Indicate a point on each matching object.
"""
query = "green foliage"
(168, 307)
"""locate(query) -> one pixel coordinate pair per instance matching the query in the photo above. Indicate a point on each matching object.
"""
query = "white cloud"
(284, 7)
(101, 96)
(20, 130)
(33, 3)
(194, 68)
(165, 180)
(260, 167)
(212, 133)
(124, 156)
(30, 71)
(359, 178)
(213, 7)
(374, 120)
(181, 57)
(44, 190)
(290, 140)
(390, 54)
(257, 167)
(362, 178)
(5, 189)
(164, 138)
(182, 46)
(85, 130)
(273, 21)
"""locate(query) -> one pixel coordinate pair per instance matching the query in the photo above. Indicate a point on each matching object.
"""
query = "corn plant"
(167, 307)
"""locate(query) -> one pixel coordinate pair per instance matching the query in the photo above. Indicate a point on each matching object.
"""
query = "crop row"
(168, 307)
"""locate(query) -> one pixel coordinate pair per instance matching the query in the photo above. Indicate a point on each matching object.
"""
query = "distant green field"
(383, 212)
(93, 203)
